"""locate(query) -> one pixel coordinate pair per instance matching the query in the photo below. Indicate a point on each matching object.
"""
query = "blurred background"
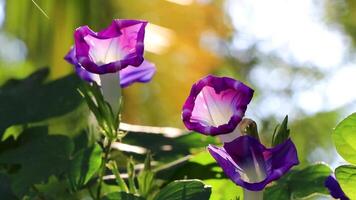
(298, 55)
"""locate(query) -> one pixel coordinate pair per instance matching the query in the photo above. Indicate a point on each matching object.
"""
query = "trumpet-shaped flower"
(129, 75)
(216, 105)
(251, 165)
(112, 49)
(334, 188)
(112, 54)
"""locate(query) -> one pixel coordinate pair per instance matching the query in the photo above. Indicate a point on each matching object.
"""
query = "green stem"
(102, 168)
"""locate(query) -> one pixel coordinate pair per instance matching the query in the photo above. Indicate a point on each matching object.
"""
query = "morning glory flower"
(111, 49)
(127, 76)
(216, 105)
(251, 165)
(112, 56)
(334, 188)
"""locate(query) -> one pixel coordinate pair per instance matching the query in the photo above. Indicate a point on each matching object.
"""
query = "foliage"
(281, 133)
(346, 175)
(37, 100)
(344, 137)
(33, 165)
(83, 166)
(298, 184)
(184, 190)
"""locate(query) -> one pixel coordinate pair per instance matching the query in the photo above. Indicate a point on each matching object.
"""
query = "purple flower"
(216, 105)
(112, 49)
(116, 49)
(334, 188)
(251, 165)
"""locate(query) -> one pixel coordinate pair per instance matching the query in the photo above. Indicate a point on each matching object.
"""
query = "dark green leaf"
(84, 165)
(344, 137)
(346, 176)
(5, 188)
(38, 156)
(282, 133)
(185, 190)
(30, 100)
(122, 196)
(277, 192)
(300, 183)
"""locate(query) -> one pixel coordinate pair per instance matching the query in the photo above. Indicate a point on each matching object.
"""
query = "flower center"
(212, 109)
(104, 51)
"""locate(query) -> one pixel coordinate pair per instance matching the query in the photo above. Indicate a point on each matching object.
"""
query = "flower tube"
(251, 165)
(215, 106)
(334, 188)
(111, 54)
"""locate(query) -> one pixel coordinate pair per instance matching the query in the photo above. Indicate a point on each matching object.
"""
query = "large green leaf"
(36, 156)
(121, 196)
(344, 137)
(203, 166)
(309, 180)
(300, 183)
(84, 165)
(31, 100)
(185, 190)
(346, 176)
(224, 189)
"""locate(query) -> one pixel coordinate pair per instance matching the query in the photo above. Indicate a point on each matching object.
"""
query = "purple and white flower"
(251, 165)
(109, 50)
(112, 56)
(216, 105)
(334, 188)
(127, 76)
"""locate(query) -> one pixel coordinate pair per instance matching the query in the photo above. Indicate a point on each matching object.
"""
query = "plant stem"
(253, 195)
(107, 149)
(110, 85)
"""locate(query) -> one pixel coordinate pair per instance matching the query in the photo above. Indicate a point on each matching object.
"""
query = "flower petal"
(216, 105)
(251, 165)
(334, 188)
(128, 75)
(142, 73)
(112, 49)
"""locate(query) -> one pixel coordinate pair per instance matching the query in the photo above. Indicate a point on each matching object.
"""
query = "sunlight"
(182, 2)
(158, 39)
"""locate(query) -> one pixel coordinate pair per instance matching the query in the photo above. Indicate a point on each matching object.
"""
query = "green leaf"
(309, 180)
(31, 100)
(344, 137)
(346, 176)
(146, 177)
(5, 188)
(84, 165)
(131, 175)
(300, 183)
(282, 133)
(185, 190)
(38, 156)
(145, 183)
(224, 189)
(121, 196)
(277, 192)
(119, 180)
